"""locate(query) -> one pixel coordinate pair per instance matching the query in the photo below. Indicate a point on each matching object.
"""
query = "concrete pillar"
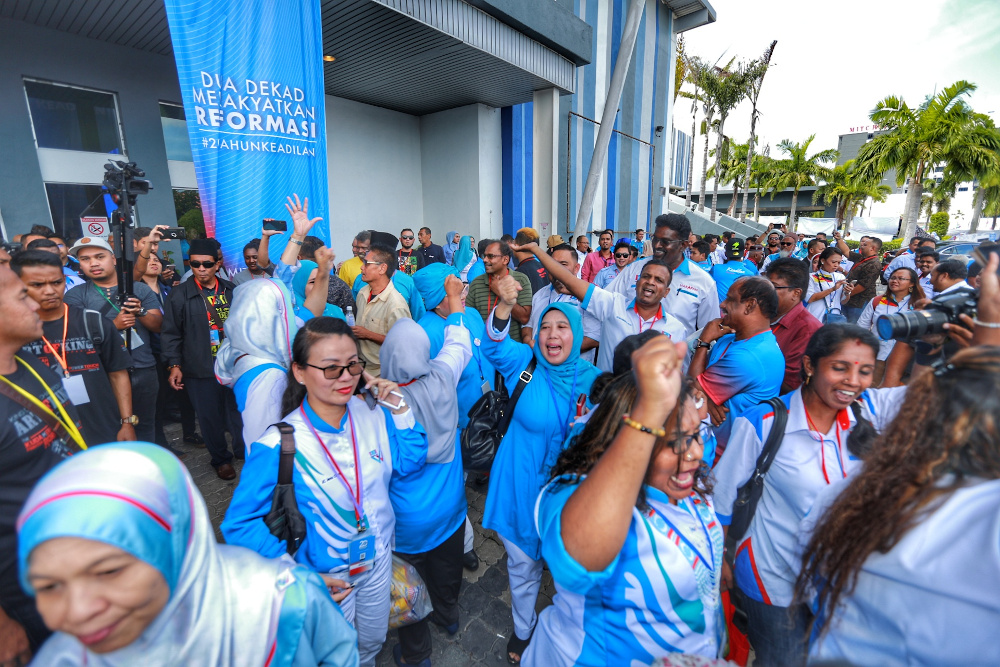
(545, 162)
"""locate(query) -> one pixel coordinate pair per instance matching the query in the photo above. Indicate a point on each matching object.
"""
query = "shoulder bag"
(749, 494)
(285, 521)
(489, 419)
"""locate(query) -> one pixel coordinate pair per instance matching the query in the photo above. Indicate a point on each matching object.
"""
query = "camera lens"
(911, 324)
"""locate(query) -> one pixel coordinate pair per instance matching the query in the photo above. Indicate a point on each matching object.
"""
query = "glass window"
(175, 132)
(68, 202)
(73, 119)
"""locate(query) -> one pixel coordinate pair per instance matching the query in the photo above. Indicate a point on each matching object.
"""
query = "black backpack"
(489, 419)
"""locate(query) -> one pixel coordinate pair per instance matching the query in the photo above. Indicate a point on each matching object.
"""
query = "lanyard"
(63, 417)
(101, 292)
(62, 346)
(710, 564)
(659, 316)
(489, 294)
(822, 445)
(357, 497)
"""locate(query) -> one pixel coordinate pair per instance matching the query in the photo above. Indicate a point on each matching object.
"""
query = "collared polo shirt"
(378, 316)
(793, 332)
(619, 319)
(693, 298)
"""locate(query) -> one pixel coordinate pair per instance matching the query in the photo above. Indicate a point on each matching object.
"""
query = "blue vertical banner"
(251, 76)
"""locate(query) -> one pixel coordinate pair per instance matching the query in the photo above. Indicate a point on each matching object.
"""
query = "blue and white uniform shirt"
(767, 558)
(659, 596)
(693, 298)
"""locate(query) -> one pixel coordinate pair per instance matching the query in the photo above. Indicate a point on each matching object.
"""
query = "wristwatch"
(704, 344)
(142, 312)
(132, 419)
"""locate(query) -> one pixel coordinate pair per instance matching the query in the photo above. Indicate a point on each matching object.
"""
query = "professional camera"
(943, 309)
(125, 178)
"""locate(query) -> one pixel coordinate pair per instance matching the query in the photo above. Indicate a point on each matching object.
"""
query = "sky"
(835, 60)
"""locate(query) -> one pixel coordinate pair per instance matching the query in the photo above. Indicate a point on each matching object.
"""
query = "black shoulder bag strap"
(748, 495)
(212, 312)
(522, 382)
(287, 461)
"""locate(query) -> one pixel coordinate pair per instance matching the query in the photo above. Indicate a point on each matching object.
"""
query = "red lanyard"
(822, 445)
(659, 316)
(356, 494)
(215, 290)
(489, 293)
(62, 346)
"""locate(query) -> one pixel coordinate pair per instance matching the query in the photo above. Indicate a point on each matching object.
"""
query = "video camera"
(124, 181)
(943, 309)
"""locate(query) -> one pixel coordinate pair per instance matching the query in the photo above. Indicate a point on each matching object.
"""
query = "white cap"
(90, 242)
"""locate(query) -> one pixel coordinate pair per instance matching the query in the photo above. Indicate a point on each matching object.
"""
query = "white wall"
(374, 170)
(490, 174)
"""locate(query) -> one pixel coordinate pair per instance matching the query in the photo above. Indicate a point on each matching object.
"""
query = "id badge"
(360, 554)
(213, 335)
(485, 387)
(136, 338)
(76, 389)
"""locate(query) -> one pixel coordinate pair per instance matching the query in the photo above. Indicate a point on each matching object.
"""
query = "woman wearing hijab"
(430, 503)
(450, 247)
(256, 353)
(553, 398)
(304, 283)
(347, 448)
(118, 550)
(464, 258)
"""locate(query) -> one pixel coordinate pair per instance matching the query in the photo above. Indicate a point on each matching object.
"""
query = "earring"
(808, 378)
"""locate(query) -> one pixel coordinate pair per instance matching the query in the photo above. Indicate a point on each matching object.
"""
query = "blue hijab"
(573, 376)
(430, 283)
(464, 253)
(299, 283)
(450, 247)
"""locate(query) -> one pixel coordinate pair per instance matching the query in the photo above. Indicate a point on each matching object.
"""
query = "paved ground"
(486, 622)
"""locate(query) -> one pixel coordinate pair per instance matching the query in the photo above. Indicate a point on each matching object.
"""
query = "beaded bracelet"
(658, 432)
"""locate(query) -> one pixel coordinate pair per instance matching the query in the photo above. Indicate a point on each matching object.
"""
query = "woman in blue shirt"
(628, 529)
(349, 516)
(118, 550)
(430, 503)
(539, 425)
(305, 282)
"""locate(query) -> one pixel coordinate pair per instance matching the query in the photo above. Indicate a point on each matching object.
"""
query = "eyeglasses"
(407, 238)
(777, 287)
(368, 261)
(684, 443)
(195, 264)
(492, 257)
(334, 371)
(902, 279)
(623, 255)
(665, 242)
(757, 247)
(789, 244)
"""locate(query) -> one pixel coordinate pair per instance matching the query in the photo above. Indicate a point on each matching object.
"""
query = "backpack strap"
(774, 437)
(286, 462)
(93, 324)
(522, 382)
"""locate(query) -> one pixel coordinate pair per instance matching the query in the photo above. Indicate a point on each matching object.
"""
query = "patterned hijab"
(225, 601)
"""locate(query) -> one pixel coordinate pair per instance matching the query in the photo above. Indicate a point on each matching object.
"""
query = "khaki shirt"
(378, 316)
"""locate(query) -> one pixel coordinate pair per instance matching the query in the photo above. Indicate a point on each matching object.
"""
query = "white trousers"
(525, 577)
(367, 609)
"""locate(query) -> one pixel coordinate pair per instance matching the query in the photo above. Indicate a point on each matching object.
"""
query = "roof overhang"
(414, 56)
(690, 14)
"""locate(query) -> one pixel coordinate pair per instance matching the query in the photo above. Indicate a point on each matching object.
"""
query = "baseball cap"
(554, 240)
(90, 242)
(735, 249)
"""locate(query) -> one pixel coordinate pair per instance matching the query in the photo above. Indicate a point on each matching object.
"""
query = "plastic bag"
(409, 601)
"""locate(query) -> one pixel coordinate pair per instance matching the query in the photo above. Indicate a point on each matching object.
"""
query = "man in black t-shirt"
(141, 315)
(83, 347)
(527, 263)
(410, 260)
(196, 311)
(29, 447)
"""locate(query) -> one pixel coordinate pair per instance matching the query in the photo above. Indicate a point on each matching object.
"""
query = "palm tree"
(760, 174)
(934, 132)
(799, 169)
(734, 157)
(850, 192)
(694, 67)
(937, 195)
(973, 160)
(709, 80)
(865, 191)
(732, 89)
(756, 71)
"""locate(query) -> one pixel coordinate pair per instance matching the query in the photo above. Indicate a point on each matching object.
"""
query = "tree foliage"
(939, 224)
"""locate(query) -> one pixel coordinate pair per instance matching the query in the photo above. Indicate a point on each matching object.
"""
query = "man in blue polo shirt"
(737, 360)
(734, 268)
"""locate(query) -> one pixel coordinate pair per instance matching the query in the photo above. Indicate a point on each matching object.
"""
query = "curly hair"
(587, 447)
(945, 433)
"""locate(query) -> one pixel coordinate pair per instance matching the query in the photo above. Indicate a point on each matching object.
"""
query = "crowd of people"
(702, 438)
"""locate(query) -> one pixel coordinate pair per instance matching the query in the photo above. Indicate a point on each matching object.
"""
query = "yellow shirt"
(378, 316)
(350, 270)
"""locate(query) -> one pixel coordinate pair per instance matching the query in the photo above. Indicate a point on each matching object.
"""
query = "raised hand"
(324, 259)
(507, 289)
(300, 216)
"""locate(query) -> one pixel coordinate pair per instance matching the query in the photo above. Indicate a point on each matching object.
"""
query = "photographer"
(140, 314)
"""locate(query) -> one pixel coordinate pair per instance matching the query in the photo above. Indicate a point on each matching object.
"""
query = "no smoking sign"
(95, 226)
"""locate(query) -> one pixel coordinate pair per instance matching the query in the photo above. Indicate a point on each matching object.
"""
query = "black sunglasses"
(623, 255)
(195, 264)
(666, 242)
(789, 243)
(334, 371)
(406, 238)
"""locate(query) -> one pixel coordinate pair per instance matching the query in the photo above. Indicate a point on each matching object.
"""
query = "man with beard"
(557, 291)
(692, 299)
(737, 360)
(410, 261)
(786, 249)
(251, 252)
(619, 317)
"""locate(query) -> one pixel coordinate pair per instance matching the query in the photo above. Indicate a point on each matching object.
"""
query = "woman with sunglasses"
(346, 451)
(904, 289)
(628, 529)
